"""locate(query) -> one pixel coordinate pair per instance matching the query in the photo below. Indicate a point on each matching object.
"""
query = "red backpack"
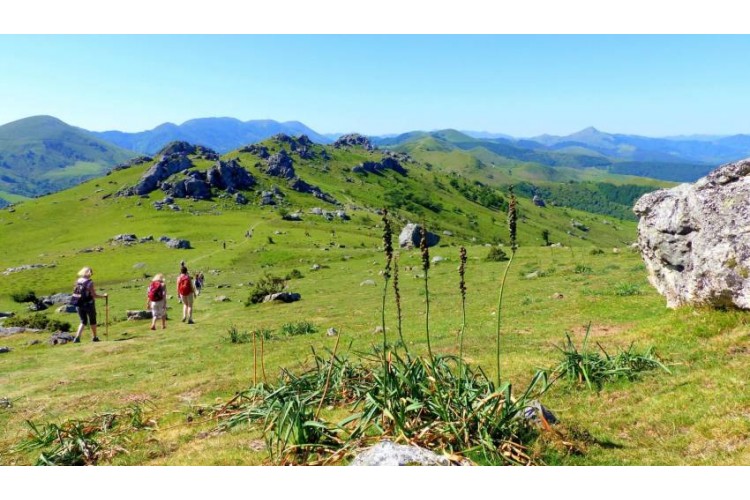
(155, 291)
(184, 286)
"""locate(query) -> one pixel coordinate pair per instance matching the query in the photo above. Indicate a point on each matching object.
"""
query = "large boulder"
(280, 165)
(695, 242)
(160, 171)
(230, 176)
(356, 140)
(411, 235)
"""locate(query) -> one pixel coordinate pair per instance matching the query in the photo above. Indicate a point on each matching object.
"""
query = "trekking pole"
(106, 317)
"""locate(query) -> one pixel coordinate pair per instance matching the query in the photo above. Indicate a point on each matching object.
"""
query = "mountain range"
(43, 154)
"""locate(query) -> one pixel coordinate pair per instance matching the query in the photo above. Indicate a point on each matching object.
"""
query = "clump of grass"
(85, 442)
(238, 337)
(24, 296)
(39, 322)
(596, 251)
(424, 401)
(596, 368)
(626, 290)
(496, 254)
(297, 328)
(582, 269)
(294, 274)
(266, 285)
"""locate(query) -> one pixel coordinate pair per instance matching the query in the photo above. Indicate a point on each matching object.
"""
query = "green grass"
(696, 415)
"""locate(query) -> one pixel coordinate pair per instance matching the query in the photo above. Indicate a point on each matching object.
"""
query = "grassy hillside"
(175, 376)
(42, 154)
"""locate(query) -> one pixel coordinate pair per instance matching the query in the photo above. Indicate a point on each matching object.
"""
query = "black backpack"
(81, 293)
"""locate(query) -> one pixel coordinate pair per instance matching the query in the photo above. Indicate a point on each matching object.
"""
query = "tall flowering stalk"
(388, 249)
(426, 267)
(462, 288)
(512, 222)
(397, 294)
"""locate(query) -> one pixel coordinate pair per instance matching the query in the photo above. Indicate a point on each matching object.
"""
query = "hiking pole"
(106, 317)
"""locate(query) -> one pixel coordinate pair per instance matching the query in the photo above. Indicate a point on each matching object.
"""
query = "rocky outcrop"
(280, 165)
(159, 172)
(230, 176)
(282, 297)
(353, 140)
(538, 201)
(303, 187)
(387, 163)
(695, 239)
(185, 148)
(411, 235)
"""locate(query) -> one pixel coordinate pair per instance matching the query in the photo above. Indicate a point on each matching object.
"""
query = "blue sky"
(520, 85)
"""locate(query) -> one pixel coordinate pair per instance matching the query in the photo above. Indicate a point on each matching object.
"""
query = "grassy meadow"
(698, 414)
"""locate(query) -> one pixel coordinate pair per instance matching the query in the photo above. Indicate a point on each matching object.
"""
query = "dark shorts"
(87, 313)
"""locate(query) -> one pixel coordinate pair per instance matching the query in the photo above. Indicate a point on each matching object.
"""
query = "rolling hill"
(42, 154)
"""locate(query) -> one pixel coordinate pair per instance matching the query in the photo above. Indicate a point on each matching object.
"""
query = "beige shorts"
(159, 309)
(187, 299)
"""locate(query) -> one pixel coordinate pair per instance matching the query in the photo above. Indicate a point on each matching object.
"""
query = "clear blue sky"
(519, 85)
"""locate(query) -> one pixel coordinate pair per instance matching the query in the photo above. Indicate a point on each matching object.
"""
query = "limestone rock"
(282, 297)
(695, 241)
(388, 453)
(136, 315)
(411, 235)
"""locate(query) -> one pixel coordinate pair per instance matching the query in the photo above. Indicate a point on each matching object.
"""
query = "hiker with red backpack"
(84, 298)
(157, 300)
(186, 291)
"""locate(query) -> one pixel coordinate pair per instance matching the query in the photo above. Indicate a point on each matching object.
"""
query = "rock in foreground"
(387, 453)
(695, 239)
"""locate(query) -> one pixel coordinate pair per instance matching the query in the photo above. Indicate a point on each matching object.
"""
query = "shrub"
(38, 322)
(496, 254)
(238, 337)
(298, 328)
(596, 251)
(266, 285)
(24, 296)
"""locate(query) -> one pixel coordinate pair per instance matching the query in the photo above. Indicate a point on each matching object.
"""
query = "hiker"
(198, 283)
(84, 295)
(186, 292)
(156, 300)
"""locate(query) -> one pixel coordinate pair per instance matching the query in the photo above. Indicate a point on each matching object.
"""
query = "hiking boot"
(183, 320)
(153, 327)
(95, 339)
(190, 322)
(77, 340)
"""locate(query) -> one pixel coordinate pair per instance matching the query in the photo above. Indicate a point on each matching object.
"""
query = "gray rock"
(538, 201)
(222, 298)
(294, 216)
(282, 297)
(315, 267)
(280, 165)
(67, 309)
(534, 412)
(4, 350)
(167, 166)
(578, 225)
(138, 315)
(388, 453)
(447, 233)
(25, 267)
(332, 332)
(178, 243)
(12, 330)
(240, 199)
(437, 259)
(367, 283)
(60, 338)
(411, 235)
(57, 298)
(230, 176)
(695, 242)
(124, 239)
(6, 314)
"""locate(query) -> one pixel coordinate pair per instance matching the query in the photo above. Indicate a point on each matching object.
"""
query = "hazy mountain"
(221, 134)
(41, 154)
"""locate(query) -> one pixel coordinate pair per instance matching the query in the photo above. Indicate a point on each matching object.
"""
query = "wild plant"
(512, 223)
(462, 290)
(425, 253)
(388, 251)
